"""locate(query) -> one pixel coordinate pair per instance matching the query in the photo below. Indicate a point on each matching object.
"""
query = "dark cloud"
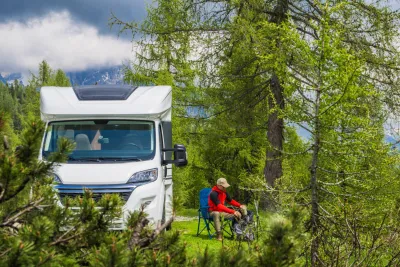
(93, 12)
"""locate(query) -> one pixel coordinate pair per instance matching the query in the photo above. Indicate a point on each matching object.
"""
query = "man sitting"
(216, 202)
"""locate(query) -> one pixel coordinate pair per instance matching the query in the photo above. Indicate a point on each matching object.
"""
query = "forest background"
(246, 76)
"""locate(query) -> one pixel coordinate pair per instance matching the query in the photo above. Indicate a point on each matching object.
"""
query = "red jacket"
(218, 204)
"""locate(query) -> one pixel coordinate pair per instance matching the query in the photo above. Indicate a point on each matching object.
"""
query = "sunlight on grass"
(196, 245)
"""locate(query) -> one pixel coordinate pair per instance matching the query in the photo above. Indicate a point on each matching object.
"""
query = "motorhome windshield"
(103, 140)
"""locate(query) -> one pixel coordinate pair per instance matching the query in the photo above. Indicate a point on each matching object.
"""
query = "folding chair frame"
(208, 220)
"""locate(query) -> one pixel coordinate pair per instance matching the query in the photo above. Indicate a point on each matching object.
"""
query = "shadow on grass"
(206, 237)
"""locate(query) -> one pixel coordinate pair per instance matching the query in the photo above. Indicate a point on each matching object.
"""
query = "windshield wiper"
(83, 159)
(99, 159)
(120, 159)
(128, 159)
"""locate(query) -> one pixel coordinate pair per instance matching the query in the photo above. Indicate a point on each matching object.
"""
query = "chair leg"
(208, 228)
(230, 232)
(198, 225)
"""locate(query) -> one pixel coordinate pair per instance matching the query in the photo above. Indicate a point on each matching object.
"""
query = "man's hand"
(237, 214)
(243, 206)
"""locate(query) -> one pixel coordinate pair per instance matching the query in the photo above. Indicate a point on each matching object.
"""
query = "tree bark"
(273, 163)
(314, 185)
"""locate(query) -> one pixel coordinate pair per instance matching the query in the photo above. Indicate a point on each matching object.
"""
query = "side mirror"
(180, 157)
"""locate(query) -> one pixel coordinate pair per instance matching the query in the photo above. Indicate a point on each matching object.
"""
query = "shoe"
(219, 236)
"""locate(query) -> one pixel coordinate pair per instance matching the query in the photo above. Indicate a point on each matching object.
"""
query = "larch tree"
(329, 67)
(329, 92)
(217, 42)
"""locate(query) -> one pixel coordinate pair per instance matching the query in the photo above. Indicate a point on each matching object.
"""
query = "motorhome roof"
(104, 100)
(103, 92)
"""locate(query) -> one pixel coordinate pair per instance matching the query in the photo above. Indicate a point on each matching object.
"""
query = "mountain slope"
(10, 77)
(2, 79)
(110, 75)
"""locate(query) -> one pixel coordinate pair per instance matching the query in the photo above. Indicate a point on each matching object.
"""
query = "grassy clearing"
(188, 213)
(196, 245)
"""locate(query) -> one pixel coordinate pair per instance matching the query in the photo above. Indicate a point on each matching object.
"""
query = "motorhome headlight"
(57, 179)
(144, 176)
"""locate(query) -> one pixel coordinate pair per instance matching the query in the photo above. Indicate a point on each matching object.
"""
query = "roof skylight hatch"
(103, 92)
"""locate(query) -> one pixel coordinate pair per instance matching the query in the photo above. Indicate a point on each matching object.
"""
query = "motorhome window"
(103, 139)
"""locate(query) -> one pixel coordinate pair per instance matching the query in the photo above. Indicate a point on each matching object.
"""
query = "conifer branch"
(61, 239)
(17, 191)
(9, 221)
(64, 240)
(5, 252)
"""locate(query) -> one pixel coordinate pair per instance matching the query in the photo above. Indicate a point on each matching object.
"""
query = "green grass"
(188, 212)
(196, 245)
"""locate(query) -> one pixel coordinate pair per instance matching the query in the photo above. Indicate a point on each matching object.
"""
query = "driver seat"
(82, 142)
(130, 139)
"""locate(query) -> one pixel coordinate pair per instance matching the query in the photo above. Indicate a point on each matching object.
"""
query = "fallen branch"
(142, 222)
(6, 143)
(136, 241)
(2, 190)
(147, 241)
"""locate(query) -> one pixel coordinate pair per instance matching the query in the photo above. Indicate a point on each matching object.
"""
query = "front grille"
(96, 196)
(73, 191)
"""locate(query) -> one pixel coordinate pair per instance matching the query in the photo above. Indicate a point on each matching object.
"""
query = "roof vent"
(103, 92)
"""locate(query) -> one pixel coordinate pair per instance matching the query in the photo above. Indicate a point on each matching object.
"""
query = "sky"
(72, 35)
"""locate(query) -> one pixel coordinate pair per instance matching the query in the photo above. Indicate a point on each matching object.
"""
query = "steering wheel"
(132, 145)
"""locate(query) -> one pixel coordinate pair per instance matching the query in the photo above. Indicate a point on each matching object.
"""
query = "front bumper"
(134, 197)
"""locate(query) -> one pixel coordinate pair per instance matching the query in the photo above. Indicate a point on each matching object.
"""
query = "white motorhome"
(123, 140)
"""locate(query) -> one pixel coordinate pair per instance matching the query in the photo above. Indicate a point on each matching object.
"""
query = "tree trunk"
(273, 163)
(314, 185)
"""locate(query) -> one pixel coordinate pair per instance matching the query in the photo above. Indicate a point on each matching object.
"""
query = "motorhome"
(123, 144)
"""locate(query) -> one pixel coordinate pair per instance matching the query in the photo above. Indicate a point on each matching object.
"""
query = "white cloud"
(63, 42)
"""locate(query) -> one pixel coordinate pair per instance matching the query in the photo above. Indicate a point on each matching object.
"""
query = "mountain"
(10, 77)
(2, 79)
(109, 75)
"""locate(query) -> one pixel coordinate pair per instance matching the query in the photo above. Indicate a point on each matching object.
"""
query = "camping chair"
(207, 218)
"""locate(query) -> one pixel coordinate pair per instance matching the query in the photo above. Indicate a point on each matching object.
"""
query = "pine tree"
(44, 73)
(59, 78)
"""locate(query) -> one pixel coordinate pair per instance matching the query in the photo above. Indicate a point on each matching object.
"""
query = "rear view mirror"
(180, 156)
(103, 141)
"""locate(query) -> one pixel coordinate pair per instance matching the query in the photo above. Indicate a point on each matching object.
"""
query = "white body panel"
(149, 103)
(145, 102)
(152, 194)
